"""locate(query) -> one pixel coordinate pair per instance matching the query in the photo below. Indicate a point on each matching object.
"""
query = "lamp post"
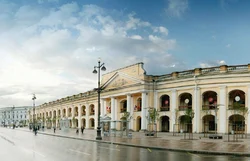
(13, 116)
(102, 67)
(34, 98)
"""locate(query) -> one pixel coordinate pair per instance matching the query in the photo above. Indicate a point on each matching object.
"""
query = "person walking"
(54, 129)
(82, 129)
(77, 131)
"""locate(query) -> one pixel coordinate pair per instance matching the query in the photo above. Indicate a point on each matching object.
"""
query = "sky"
(50, 47)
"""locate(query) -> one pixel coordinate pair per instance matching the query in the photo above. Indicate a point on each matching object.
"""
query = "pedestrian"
(54, 129)
(77, 131)
(35, 130)
(82, 129)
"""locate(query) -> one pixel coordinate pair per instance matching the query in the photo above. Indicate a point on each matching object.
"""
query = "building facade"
(207, 99)
(14, 115)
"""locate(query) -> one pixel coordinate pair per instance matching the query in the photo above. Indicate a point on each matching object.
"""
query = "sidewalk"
(164, 141)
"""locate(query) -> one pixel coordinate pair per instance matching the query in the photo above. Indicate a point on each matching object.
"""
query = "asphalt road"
(18, 145)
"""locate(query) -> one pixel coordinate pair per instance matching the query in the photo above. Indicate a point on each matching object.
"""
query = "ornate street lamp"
(102, 67)
(34, 98)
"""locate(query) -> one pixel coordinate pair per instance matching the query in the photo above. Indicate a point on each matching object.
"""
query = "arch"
(123, 106)
(83, 110)
(185, 123)
(76, 123)
(91, 109)
(138, 104)
(138, 123)
(237, 123)
(76, 110)
(165, 102)
(209, 100)
(108, 108)
(208, 124)
(64, 112)
(69, 112)
(92, 123)
(54, 113)
(70, 123)
(185, 101)
(59, 112)
(236, 99)
(164, 124)
(83, 122)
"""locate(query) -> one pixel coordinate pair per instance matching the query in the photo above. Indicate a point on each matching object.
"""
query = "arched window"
(123, 106)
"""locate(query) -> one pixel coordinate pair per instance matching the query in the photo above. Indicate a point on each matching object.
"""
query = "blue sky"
(49, 47)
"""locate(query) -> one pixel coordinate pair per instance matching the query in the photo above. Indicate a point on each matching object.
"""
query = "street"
(19, 145)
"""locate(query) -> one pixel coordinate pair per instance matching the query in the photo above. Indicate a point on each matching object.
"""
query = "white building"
(214, 99)
(17, 115)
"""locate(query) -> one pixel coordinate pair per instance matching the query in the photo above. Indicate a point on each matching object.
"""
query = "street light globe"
(103, 68)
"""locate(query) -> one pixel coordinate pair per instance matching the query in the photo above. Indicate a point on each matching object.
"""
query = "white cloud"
(44, 1)
(136, 37)
(162, 30)
(52, 51)
(177, 8)
(212, 63)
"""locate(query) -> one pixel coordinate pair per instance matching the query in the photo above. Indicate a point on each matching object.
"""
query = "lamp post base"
(99, 136)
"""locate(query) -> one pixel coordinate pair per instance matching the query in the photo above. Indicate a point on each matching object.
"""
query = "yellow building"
(203, 99)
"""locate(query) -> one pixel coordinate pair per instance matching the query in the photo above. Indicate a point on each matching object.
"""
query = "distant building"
(16, 115)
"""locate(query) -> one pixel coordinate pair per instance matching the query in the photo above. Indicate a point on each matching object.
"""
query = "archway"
(209, 100)
(138, 123)
(237, 123)
(208, 123)
(185, 101)
(236, 99)
(165, 103)
(92, 123)
(165, 124)
(76, 123)
(185, 123)
(83, 122)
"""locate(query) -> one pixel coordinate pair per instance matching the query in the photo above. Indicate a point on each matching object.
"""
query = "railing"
(165, 108)
(186, 73)
(238, 107)
(183, 108)
(208, 107)
(123, 110)
(237, 68)
(210, 70)
(83, 113)
(92, 113)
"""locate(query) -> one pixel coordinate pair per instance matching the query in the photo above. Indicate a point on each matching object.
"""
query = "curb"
(241, 154)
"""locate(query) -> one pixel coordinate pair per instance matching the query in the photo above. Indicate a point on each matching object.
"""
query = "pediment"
(120, 79)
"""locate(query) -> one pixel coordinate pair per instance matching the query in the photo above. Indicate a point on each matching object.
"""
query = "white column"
(248, 114)
(79, 116)
(87, 115)
(222, 110)
(128, 103)
(173, 109)
(116, 110)
(112, 111)
(196, 119)
(143, 111)
(103, 108)
(132, 114)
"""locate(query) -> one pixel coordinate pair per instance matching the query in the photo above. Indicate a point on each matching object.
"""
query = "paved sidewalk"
(164, 141)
